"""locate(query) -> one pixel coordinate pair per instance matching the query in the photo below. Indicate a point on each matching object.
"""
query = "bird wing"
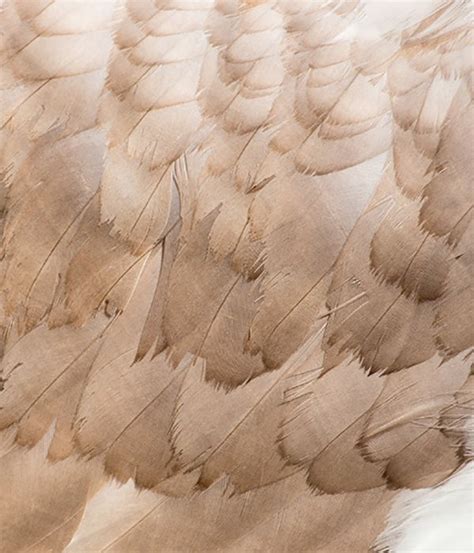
(236, 271)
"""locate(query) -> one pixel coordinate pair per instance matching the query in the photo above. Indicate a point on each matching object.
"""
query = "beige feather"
(236, 261)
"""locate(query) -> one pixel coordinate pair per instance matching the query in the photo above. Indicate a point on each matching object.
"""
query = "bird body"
(236, 271)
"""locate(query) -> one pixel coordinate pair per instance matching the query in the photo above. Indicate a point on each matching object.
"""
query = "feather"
(39, 520)
(50, 110)
(236, 250)
(330, 451)
(151, 521)
(409, 405)
(34, 266)
(415, 511)
(249, 421)
(44, 374)
(199, 282)
(364, 309)
(140, 397)
(153, 115)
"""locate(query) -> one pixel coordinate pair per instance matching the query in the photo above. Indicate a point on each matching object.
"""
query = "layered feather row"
(236, 272)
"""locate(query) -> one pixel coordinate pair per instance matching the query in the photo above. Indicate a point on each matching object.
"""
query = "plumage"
(48, 505)
(236, 272)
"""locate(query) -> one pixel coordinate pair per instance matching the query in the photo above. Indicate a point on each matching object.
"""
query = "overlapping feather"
(236, 271)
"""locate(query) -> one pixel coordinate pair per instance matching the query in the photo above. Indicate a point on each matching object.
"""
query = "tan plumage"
(236, 271)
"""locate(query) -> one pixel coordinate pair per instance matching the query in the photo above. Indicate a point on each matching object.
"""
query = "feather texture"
(236, 266)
